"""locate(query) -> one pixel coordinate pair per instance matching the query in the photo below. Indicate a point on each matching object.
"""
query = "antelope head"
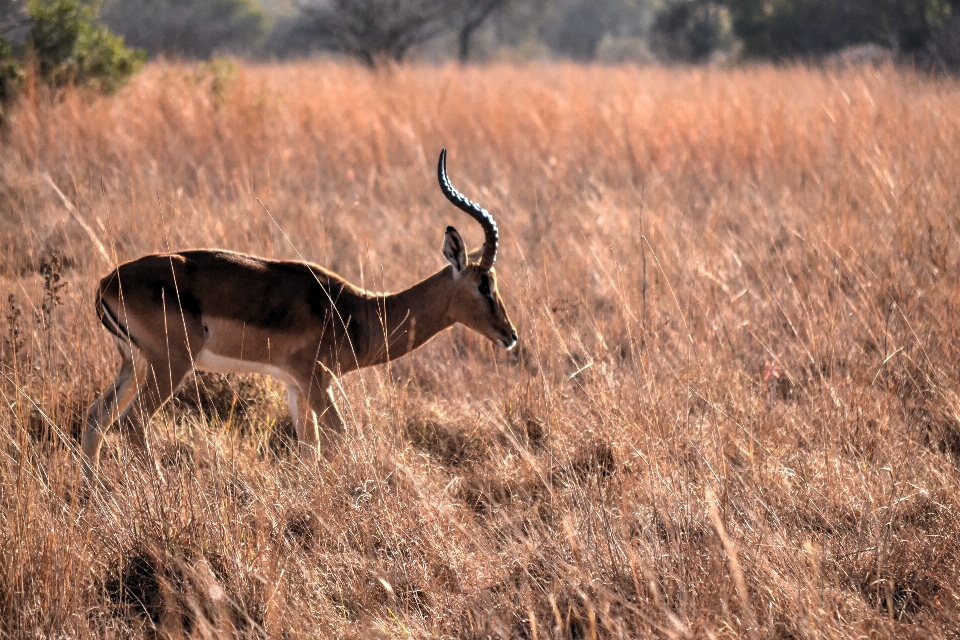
(475, 301)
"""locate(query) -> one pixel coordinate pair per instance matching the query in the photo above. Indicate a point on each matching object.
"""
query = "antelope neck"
(409, 318)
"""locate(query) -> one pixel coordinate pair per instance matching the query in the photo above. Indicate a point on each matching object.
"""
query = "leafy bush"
(692, 30)
(69, 44)
(64, 43)
(10, 72)
(785, 28)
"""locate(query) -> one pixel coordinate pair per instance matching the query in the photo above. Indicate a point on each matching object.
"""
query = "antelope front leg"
(320, 399)
(304, 422)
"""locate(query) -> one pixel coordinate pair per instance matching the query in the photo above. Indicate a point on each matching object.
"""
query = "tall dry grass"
(734, 410)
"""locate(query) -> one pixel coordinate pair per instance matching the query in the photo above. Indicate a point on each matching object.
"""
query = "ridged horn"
(491, 237)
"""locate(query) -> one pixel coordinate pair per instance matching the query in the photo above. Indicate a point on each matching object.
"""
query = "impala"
(232, 313)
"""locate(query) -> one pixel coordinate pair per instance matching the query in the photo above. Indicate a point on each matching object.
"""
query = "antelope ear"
(454, 250)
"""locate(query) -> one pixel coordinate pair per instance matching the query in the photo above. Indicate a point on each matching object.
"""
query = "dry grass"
(673, 240)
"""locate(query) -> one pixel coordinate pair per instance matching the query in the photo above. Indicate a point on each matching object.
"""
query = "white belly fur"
(209, 361)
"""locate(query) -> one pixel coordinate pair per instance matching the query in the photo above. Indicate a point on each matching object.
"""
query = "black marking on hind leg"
(112, 324)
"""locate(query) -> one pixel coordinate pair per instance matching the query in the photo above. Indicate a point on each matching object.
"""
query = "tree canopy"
(64, 42)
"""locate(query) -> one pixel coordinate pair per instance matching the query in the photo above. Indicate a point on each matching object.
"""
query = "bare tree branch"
(374, 30)
(475, 13)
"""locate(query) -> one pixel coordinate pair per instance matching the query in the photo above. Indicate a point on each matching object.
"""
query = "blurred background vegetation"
(102, 43)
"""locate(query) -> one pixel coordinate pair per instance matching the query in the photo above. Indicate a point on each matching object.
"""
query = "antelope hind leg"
(157, 385)
(105, 410)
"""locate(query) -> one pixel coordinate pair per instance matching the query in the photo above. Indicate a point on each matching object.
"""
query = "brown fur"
(297, 321)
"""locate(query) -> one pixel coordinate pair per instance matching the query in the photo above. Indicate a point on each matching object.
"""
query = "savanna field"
(733, 412)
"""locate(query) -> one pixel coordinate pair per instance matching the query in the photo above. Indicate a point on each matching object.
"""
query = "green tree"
(64, 42)
(70, 45)
(692, 30)
(787, 28)
(14, 25)
(10, 73)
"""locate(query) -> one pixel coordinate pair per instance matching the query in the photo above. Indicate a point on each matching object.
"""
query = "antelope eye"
(484, 287)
